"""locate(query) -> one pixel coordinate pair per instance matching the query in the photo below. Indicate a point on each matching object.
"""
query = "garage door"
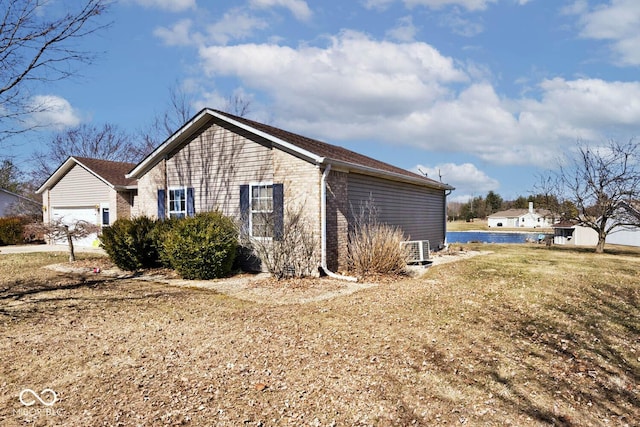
(69, 216)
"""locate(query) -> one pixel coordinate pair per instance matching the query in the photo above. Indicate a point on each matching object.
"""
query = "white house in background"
(525, 218)
(628, 235)
(9, 200)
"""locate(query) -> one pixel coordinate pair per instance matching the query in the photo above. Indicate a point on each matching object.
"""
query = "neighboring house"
(527, 218)
(628, 235)
(10, 201)
(91, 190)
(254, 172)
(570, 233)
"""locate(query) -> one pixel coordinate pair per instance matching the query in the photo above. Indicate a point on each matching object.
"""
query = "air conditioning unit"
(419, 250)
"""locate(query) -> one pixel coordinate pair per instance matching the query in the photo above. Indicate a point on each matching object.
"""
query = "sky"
(484, 95)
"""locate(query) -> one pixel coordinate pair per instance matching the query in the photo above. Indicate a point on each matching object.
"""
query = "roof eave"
(57, 174)
(386, 174)
(196, 123)
(66, 167)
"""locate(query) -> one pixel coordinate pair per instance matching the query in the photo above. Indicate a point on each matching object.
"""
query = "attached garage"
(70, 216)
(91, 190)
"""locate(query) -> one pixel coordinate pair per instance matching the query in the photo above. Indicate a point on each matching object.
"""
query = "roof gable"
(18, 196)
(110, 172)
(308, 149)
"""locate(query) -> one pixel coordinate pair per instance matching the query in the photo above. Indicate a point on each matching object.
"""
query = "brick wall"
(123, 201)
(337, 225)
(301, 182)
(148, 185)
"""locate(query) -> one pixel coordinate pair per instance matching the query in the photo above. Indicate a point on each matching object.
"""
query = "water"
(490, 237)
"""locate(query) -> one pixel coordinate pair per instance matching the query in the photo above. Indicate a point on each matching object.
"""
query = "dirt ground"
(493, 340)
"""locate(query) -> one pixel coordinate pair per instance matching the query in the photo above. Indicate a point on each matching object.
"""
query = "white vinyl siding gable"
(79, 188)
(215, 162)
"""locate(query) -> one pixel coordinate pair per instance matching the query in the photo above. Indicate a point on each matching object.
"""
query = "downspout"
(323, 225)
(445, 244)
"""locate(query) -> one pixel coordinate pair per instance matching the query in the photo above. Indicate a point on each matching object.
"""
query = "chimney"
(530, 207)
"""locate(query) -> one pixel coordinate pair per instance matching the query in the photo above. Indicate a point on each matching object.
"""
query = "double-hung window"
(177, 203)
(261, 218)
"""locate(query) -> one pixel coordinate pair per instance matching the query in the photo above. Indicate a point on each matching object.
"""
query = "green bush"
(11, 231)
(132, 244)
(201, 247)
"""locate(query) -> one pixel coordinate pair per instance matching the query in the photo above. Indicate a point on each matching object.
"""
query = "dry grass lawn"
(524, 336)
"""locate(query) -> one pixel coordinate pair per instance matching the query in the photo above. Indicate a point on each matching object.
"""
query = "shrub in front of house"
(131, 243)
(11, 232)
(201, 247)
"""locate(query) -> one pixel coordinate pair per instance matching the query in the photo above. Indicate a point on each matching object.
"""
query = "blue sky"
(486, 93)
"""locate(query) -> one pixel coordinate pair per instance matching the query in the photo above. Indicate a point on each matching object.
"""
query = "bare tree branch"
(35, 49)
(106, 143)
(597, 182)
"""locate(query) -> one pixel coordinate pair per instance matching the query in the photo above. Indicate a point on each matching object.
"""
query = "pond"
(492, 237)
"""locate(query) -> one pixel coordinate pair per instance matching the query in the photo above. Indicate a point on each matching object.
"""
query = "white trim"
(168, 201)
(251, 186)
(64, 169)
(203, 117)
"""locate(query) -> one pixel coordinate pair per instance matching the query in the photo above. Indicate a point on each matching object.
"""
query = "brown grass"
(524, 336)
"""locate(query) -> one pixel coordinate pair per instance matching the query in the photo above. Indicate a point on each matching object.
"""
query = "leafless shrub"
(374, 247)
(291, 254)
(58, 230)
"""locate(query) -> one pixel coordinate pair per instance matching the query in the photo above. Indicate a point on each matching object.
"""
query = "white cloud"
(235, 24)
(404, 31)
(52, 112)
(377, 4)
(353, 74)
(616, 22)
(358, 88)
(177, 35)
(466, 178)
(461, 26)
(439, 4)
(299, 8)
(170, 5)
(470, 5)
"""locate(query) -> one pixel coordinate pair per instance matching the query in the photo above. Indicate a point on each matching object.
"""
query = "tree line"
(480, 207)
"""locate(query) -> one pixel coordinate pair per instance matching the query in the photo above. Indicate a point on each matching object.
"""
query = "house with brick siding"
(92, 190)
(259, 174)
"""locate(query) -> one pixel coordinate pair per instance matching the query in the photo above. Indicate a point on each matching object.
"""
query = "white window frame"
(177, 213)
(252, 211)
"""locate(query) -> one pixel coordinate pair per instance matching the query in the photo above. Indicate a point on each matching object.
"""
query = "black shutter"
(161, 204)
(244, 208)
(278, 211)
(191, 202)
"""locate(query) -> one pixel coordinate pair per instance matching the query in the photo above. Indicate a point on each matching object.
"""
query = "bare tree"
(238, 104)
(10, 176)
(291, 254)
(177, 113)
(106, 143)
(58, 230)
(596, 183)
(36, 49)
